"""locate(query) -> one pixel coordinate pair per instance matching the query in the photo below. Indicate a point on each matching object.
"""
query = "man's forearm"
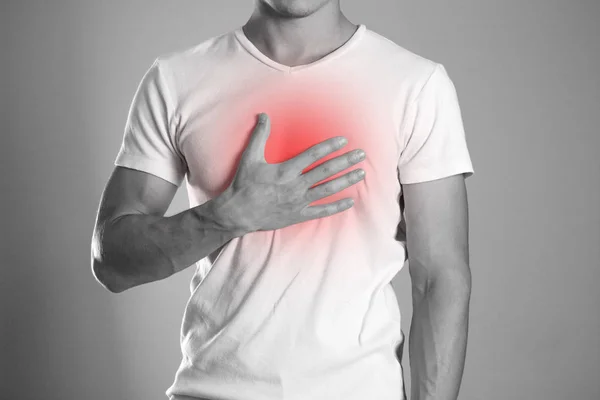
(438, 339)
(135, 249)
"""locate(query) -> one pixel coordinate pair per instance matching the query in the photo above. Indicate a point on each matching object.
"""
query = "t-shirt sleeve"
(433, 135)
(149, 143)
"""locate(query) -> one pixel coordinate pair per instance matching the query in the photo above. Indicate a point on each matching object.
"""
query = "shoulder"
(187, 68)
(178, 60)
(411, 70)
(403, 59)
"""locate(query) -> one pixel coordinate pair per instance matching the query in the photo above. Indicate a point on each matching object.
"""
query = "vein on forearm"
(438, 337)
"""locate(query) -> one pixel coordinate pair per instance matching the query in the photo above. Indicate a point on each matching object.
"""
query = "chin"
(295, 8)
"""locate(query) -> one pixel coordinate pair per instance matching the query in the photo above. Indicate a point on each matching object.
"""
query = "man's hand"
(265, 196)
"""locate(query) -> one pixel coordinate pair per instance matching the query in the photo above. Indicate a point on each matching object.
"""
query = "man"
(294, 250)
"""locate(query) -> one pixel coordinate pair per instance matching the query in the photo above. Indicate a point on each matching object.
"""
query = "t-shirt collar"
(254, 51)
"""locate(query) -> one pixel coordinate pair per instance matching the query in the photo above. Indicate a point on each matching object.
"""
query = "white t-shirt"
(308, 311)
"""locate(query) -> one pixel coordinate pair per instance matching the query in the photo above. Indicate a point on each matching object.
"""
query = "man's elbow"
(448, 276)
(105, 277)
(454, 280)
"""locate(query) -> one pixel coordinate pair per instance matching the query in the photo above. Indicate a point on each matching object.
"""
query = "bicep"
(436, 214)
(130, 191)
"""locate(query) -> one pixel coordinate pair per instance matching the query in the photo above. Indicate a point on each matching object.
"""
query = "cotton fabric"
(307, 311)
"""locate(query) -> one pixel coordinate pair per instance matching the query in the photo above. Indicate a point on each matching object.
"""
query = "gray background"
(527, 79)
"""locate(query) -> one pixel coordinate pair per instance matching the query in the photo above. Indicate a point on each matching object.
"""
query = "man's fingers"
(314, 154)
(255, 151)
(325, 210)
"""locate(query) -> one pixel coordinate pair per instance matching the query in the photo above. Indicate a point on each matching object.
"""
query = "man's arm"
(133, 243)
(438, 254)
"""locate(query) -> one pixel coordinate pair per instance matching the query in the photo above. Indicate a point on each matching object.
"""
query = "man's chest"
(302, 113)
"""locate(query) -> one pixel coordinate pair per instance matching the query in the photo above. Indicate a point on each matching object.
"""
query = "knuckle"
(326, 189)
(282, 172)
(356, 175)
(310, 213)
(314, 153)
(308, 196)
(354, 156)
(302, 212)
(304, 183)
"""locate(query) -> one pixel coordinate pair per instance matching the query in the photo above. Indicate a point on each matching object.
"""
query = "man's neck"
(298, 41)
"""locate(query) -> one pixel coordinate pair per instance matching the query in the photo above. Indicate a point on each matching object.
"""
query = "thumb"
(255, 150)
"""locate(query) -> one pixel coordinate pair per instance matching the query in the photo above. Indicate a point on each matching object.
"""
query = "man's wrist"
(224, 212)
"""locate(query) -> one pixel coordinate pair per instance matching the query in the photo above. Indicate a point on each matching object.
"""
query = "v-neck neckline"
(254, 51)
